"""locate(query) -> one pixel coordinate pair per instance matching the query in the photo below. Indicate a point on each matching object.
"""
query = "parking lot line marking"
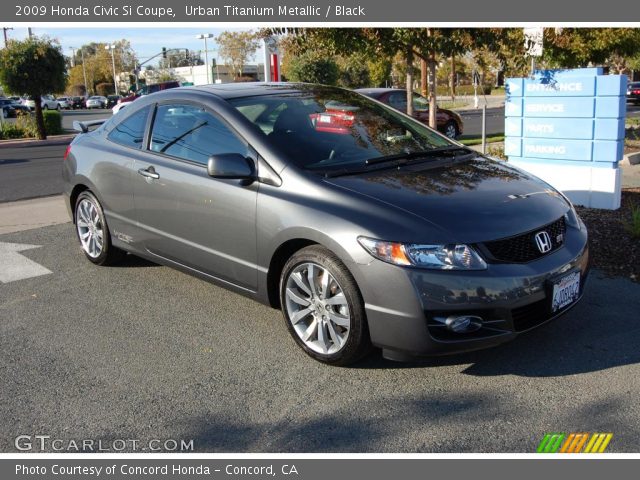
(15, 266)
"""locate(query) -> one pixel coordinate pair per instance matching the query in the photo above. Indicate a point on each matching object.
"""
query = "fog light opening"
(463, 323)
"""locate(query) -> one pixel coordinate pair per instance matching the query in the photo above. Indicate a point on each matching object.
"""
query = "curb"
(32, 142)
(630, 159)
(478, 111)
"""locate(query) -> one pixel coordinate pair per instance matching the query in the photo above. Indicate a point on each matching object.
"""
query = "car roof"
(250, 89)
(378, 91)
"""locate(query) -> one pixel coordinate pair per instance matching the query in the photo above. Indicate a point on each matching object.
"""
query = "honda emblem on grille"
(543, 241)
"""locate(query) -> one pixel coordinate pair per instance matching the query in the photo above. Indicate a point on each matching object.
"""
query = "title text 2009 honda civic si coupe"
(363, 225)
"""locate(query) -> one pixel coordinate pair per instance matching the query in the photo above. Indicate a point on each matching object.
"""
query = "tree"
(580, 47)
(353, 71)
(35, 67)
(166, 76)
(104, 89)
(379, 71)
(77, 90)
(97, 63)
(312, 67)
(235, 49)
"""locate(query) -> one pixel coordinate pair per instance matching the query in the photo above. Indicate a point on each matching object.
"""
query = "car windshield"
(324, 128)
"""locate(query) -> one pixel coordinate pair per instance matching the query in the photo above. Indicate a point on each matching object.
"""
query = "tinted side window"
(130, 132)
(191, 133)
(398, 100)
(420, 103)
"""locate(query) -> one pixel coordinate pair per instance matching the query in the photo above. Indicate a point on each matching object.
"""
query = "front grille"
(530, 315)
(523, 248)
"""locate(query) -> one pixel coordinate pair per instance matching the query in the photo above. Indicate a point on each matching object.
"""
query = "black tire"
(451, 129)
(45, 107)
(358, 342)
(109, 254)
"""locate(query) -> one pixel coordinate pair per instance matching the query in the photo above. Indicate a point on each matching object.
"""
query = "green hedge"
(443, 90)
(25, 125)
(10, 130)
(52, 122)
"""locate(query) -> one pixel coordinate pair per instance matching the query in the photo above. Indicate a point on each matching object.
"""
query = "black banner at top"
(317, 12)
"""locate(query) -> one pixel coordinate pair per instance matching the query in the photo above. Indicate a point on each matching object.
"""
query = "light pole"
(112, 48)
(6, 38)
(204, 36)
(84, 70)
(73, 56)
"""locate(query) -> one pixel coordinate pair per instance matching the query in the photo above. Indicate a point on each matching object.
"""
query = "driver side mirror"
(231, 166)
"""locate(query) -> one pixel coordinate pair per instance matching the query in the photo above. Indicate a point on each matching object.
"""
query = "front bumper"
(401, 303)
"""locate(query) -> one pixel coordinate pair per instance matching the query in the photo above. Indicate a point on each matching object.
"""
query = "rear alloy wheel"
(93, 232)
(451, 130)
(323, 308)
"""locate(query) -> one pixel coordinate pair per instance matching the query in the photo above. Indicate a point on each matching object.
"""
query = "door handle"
(149, 172)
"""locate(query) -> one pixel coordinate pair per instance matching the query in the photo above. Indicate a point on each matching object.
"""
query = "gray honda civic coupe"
(367, 228)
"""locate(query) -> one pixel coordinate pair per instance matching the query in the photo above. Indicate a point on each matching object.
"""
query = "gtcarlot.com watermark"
(45, 443)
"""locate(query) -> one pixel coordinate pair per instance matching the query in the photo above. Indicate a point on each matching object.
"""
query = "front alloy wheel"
(323, 307)
(317, 308)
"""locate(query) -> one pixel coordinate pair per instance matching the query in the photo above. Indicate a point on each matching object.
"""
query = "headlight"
(572, 219)
(437, 257)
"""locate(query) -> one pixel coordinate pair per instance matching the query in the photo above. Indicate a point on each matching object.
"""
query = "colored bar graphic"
(574, 443)
(578, 446)
(551, 443)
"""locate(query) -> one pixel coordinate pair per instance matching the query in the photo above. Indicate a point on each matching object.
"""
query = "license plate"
(565, 291)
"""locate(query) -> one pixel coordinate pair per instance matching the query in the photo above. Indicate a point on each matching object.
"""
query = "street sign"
(476, 78)
(533, 41)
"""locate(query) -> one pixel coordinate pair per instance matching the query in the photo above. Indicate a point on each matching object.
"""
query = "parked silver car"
(47, 103)
(362, 224)
(96, 101)
(64, 102)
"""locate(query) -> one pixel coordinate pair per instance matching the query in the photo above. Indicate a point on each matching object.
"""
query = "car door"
(114, 160)
(188, 217)
(421, 111)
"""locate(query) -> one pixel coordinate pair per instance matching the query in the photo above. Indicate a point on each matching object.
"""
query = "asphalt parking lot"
(142, 351)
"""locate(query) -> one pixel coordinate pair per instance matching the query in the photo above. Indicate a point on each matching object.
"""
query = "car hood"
(448, 112)
(472, 201)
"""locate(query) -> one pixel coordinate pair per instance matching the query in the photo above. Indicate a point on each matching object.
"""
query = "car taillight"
(333, 122)
(636, 92)
(67, 151)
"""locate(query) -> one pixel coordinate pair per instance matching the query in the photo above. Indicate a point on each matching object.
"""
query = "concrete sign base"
(586, 186)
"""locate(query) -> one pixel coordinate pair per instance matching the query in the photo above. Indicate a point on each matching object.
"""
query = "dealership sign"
(567, 127)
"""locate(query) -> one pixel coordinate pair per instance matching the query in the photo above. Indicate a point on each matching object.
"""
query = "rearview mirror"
(231, 166)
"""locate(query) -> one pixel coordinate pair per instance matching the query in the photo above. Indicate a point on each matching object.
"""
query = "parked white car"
(64, 102)
(96, 101)
(48, 103)
(119, 106)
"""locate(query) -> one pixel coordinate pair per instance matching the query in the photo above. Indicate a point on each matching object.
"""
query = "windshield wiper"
(401, 159)
(436, 152)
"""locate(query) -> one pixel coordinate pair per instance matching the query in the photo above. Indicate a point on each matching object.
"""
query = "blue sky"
(145, 41)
